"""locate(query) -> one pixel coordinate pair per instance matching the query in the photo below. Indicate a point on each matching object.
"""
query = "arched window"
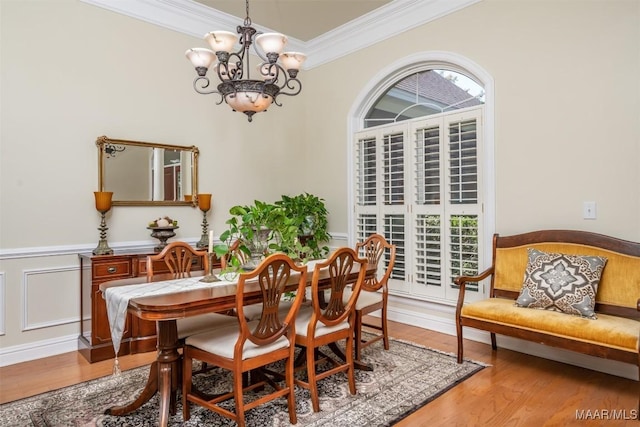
(418, 176)
(425, 93)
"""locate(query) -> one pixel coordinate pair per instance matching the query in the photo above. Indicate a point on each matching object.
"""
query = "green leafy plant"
(308, 214)
(294, 225)
(256, 225)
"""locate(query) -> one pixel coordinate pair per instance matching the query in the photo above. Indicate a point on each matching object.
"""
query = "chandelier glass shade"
(278, 71)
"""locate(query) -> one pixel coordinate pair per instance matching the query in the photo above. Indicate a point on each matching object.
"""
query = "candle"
(210, 241)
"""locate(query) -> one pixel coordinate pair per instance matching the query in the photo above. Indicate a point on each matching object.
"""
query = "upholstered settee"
(542, 287)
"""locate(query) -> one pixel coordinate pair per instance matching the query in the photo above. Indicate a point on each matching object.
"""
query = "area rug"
(403, 379)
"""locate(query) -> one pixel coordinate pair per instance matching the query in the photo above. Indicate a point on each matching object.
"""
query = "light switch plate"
(589, 210)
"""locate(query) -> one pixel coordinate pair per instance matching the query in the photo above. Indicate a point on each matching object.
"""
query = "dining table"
(166, 308)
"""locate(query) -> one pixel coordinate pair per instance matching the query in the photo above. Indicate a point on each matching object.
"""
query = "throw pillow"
(560, 282)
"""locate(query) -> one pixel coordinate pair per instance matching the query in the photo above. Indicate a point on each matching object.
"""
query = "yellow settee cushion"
(611, 331)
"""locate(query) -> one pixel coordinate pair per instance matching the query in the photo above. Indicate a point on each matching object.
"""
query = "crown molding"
(378, 25)
(194, 19)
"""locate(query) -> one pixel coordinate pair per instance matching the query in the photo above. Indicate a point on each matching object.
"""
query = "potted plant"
(308, 214)
(295, 225)
(256, 226)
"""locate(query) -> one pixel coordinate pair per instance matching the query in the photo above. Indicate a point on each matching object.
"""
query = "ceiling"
(301, 19)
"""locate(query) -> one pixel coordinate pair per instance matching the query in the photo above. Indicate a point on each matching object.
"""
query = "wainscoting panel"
(3, 302)
(50, 297)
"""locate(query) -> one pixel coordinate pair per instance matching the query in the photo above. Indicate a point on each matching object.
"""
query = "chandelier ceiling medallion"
(236, 87)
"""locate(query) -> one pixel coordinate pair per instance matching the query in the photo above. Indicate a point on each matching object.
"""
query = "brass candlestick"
(210, 277)
(204, 203)
(103, 205)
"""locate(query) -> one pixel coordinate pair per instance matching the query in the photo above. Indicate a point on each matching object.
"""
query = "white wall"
(567, 102)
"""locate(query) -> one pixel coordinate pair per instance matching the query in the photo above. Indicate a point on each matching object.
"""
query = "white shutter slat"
(428, 256)
(366, 171)
(463, 248)
(393, 168)
(427, 165)
(366, 224)
(463, 160)
(394, 232)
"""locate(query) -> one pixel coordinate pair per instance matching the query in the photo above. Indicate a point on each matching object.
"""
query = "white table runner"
(117, 299)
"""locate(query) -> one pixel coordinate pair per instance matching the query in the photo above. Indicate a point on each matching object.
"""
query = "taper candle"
(210, 241)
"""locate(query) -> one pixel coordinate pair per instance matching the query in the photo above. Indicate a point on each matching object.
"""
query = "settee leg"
(459, 334)
(494, 344)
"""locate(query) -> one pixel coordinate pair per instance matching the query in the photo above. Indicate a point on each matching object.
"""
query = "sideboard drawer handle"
(112, 270)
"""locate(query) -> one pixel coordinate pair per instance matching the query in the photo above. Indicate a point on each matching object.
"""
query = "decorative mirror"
(147, 173)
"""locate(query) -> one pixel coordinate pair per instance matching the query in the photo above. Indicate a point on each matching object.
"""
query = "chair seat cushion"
(365, 298)
(302, 322)
(221, 341)
(202, 323)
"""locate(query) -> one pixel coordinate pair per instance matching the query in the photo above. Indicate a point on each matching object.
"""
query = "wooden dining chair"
(252, 311)
(251, 344)
(179, 257)
(325, 324)
(375, 291)
(236, 252)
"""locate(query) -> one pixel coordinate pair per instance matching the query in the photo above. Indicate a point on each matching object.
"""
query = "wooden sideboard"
(94, 342)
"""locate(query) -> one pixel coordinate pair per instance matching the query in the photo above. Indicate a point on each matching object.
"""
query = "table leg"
(147, 393)
(163, 375)
(168, 358)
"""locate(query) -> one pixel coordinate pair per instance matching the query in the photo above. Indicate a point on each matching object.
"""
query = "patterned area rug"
(403, 379)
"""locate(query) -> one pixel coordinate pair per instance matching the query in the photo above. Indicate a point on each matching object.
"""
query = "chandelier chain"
(247, 19)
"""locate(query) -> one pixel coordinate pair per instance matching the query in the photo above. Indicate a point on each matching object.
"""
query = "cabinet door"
(101, 271)
(101, 332)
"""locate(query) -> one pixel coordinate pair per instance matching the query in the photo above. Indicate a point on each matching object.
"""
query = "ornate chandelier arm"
(295, 87)
(201, 83)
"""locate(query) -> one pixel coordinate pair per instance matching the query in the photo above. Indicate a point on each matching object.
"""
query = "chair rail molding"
(44, 251)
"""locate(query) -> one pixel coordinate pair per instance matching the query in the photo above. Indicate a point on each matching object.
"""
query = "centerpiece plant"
(295, 225)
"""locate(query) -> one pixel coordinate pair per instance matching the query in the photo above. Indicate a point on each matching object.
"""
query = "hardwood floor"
(516, 390)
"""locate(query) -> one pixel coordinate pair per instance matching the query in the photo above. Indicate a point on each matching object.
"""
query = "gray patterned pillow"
(560, 282)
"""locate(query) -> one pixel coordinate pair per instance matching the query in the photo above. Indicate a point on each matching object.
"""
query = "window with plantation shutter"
(418, 184)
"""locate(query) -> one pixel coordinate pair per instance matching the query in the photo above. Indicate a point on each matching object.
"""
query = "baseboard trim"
(38, 350)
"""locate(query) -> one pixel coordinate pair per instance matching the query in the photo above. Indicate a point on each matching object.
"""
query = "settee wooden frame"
(582, 238)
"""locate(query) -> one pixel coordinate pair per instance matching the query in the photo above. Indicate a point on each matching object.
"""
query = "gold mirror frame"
(104, 143)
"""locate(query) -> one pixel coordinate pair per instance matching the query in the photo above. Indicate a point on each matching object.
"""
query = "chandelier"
(278, 71)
